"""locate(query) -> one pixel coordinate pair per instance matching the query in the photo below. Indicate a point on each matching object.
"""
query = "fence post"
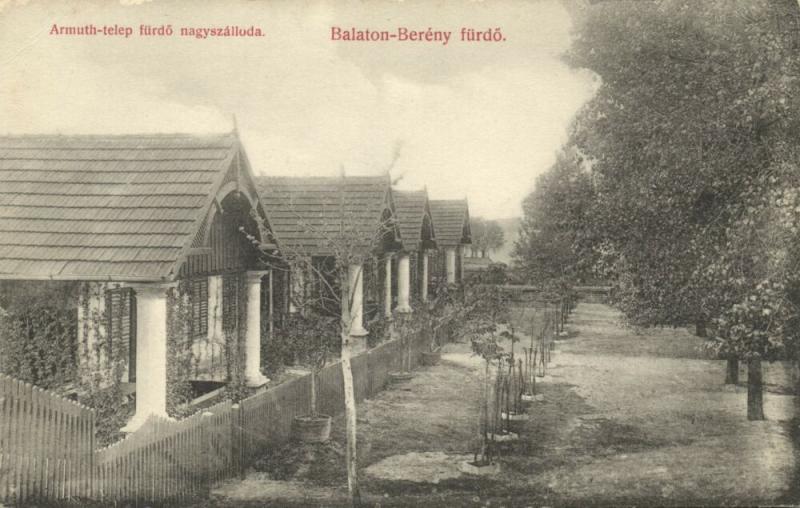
(236, 439)
(206, 452)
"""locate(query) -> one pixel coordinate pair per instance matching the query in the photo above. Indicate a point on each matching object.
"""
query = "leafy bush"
(39, 332)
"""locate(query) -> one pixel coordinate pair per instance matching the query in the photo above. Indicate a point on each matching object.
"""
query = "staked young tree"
(351, 244)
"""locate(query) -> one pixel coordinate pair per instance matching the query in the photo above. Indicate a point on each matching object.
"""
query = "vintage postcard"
(399, 253)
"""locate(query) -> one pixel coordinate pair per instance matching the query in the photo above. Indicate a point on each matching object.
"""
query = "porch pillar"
(252, 366)
(424, 282)
(387, 288)
(355, 274)
(403, 283)
(151, 354)
(450, 260)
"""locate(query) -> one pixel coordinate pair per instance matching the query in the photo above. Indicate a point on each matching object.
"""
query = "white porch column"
(252, 365)
(424, 281)
(387, 287)
(450, 257)
(403, 284)
(355, 277)
(151, 354)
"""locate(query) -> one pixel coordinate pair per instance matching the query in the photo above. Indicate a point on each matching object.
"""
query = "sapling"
(520, 388)
(530, 378)
(489, 350)
(482, 321)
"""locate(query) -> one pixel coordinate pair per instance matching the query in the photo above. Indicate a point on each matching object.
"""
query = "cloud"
(480, 121)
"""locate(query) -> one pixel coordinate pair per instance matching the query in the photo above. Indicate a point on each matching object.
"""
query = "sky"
(468, 119)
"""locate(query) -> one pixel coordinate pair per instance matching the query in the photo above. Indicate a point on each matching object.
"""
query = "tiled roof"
(410, 208)
(309, 215)
(105, 207)
(451, 220)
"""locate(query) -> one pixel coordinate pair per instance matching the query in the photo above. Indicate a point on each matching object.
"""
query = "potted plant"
(314, 339)
(434, 355)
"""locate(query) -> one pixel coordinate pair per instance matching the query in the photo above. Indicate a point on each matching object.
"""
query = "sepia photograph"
(399, 253)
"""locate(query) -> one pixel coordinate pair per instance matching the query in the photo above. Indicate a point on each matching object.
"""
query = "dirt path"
(627, 419)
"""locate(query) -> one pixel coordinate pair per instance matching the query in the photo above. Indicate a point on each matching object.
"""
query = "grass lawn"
(628, 417)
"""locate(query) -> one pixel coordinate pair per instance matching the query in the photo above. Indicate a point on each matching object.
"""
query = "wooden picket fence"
(170, 461)
(47, 443)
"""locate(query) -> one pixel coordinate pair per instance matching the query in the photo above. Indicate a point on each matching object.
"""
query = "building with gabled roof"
(113, 208)
(320, 221)
(419, 237)
(138, 221)
(314, 215)
(451, 217)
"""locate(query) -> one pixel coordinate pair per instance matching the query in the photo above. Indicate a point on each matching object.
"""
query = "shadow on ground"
(629, 417)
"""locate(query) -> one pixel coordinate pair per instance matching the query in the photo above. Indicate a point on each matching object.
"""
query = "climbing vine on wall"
(180, 351)
(38, 332)
(102, 362)
(234, 327)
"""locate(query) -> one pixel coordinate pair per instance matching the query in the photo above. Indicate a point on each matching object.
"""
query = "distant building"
(419, 241)
(451, 220)
(317, 221)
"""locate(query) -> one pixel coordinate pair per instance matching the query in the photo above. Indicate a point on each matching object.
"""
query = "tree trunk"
(755, 393)
(732, 372)
(314, 393)
(796, 380)
(700, 327)
(408, 352)
(796, 374)
(350, 423)
(484, 431)
(350, 411)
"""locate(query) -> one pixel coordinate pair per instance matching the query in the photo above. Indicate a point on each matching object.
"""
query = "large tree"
(691, 140)
(554, 214)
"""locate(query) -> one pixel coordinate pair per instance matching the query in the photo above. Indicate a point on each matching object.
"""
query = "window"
(200, 307)
(230, 302)
(121, 327)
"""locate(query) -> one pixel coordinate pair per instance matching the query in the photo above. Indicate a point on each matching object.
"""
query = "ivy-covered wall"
(209, 363)
(38, 331)
(79, 337)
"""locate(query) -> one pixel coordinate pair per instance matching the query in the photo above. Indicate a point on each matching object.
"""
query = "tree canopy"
(553, 215)
(487, 235)
(679, 180)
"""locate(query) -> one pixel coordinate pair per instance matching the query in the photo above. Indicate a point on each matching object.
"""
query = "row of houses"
(131, 218)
